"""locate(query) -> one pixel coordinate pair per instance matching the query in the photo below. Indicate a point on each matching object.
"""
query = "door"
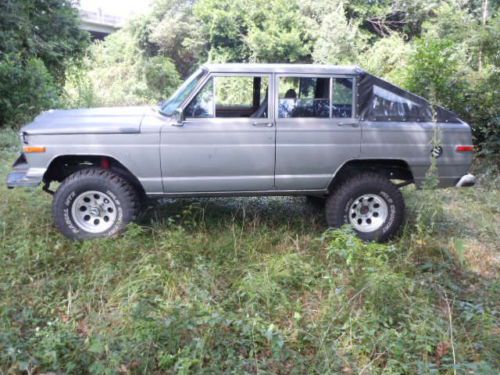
(316, 130)
(226, 142)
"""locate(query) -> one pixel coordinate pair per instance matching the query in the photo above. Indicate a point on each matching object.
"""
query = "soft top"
(379, 100)
(284, 68)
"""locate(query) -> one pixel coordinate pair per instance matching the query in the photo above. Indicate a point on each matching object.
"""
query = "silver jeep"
(333, 133)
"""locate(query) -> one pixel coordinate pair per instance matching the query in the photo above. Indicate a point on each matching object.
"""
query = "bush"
(25, 89)
(116, 73)
(161, 77)
(435, 71)
(432, 72)
(79, 90)
(481, 110)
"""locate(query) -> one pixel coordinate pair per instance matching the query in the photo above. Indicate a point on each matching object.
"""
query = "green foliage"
(276, 32)
(337, 39)
(116, 73)
(260, 31)
(79, 91)
(388, 57)
(46, 29)
(161, 77)
(38, 39)
(482, 109)
(432, 72)
(171, 30)
(247, 285)
(223, 24)
(26, 88)
(435, 71)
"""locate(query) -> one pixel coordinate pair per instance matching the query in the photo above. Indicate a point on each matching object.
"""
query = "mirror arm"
(178, 117)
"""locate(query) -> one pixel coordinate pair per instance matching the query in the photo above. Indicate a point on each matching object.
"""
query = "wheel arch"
(393, 169)
(62, 166)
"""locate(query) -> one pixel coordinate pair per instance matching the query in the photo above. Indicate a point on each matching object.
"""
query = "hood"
(113, 120)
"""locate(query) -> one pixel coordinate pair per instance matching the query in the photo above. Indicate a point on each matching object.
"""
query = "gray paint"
(88, 121)
(238, 156)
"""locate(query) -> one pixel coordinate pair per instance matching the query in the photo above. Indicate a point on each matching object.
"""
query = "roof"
(283, 68)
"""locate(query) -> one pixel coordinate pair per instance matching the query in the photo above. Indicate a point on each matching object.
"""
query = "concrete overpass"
(98, 24)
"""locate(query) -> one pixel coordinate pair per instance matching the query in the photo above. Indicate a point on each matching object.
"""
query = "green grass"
(251, 285)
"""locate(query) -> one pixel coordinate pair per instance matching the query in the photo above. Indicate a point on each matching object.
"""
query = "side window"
(202, 106)
(342, 98)
(304, 97)
(236, 96)
(241, 96)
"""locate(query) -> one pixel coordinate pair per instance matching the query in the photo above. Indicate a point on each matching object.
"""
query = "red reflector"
(104, 163)
(463, 148)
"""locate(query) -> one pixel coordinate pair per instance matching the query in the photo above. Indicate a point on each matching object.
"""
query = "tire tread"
(338, 196)
(128, 191)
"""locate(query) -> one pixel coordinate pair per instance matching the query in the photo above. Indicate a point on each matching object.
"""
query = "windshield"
(169, 106)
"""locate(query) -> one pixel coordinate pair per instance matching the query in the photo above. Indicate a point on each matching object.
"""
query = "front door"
(226, 142)
(316, 130)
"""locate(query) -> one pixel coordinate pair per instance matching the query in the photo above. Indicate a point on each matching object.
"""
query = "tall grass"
(252, 285)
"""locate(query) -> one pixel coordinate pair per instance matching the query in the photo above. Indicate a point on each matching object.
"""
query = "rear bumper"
(466, 180)
(24, 176)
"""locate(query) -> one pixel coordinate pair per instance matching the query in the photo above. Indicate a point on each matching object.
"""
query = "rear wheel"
(370, 203)
(93, 203)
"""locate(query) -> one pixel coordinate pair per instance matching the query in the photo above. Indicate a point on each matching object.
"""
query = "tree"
(38, 39)
(277, 32)
(432, 72)
(337, 40)
(260, 30)
(225, 26)
(173, 31)
(388, 58)
(26, 87)
(119, 72)
(45, 29)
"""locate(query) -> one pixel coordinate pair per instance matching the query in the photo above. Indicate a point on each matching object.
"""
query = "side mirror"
(178, 117)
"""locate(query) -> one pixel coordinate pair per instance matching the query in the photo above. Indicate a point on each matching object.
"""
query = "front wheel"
(94, 203)
(370, 203)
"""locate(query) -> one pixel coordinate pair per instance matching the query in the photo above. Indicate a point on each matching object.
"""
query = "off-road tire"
(123, 195)
(340, 202)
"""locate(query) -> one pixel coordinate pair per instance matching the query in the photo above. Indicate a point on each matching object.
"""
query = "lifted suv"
(333, 132)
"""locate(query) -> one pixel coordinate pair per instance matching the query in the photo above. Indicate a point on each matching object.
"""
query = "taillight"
(464, 148)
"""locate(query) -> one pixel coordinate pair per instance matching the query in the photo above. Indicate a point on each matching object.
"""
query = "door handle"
(262, 124)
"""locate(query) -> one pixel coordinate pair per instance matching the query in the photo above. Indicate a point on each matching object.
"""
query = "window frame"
(331, 77)
(214, 75)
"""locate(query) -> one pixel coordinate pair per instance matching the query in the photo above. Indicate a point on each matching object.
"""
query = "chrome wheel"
(94, 211)
(368, 213)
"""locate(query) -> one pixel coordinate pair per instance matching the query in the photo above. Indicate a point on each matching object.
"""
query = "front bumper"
(24, 176)
(467, 180)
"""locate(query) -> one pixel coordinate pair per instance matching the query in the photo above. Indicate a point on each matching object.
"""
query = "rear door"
(227, 140)
(316, 129)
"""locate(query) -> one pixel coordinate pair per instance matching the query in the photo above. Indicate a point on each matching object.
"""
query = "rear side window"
(304, 97)
(311, 97)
